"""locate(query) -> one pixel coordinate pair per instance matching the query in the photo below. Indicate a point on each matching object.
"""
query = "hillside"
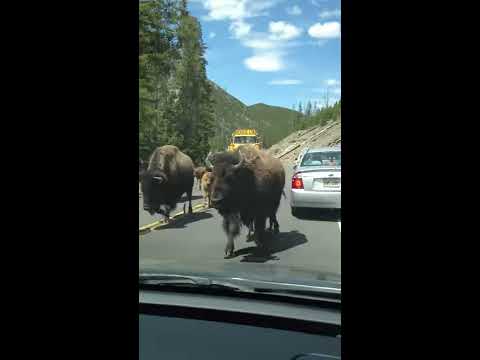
(317, 136)
(272, 122)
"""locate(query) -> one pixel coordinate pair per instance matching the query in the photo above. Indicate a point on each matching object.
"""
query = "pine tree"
(308, 109)
(299, 120)
(292, 125)
(195, 104)
(158, 50)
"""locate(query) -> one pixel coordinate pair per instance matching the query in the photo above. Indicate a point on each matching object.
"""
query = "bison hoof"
(228, 252)
(229, 255)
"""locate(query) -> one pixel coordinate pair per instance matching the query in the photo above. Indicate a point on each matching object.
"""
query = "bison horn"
(158, 178)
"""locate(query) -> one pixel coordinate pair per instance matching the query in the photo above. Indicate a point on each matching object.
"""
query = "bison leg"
(274, 223)
(260, 222)
(206, 198)
(270, 228)
(250, 230)
(231, 225)
(166, 216)
(189, 197)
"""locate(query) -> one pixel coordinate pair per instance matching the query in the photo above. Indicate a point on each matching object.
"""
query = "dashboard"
(198, 326)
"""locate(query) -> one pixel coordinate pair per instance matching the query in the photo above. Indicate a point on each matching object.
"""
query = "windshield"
(245, 139)
(212, 209)
(326, 159)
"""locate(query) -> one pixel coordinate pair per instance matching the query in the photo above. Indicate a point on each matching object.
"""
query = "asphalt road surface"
(305, 248)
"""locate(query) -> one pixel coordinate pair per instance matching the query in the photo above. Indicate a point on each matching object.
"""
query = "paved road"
(305, 248)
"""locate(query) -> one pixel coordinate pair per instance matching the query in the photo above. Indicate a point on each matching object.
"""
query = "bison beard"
(231, 225)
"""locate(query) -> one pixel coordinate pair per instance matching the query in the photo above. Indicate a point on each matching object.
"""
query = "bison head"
(153, 183)
(231, 180)
(207, 179)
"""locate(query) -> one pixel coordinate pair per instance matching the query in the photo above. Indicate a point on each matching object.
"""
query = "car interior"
(175, 325)
(318, 159)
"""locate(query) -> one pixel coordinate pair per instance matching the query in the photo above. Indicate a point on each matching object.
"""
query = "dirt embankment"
(318, 136)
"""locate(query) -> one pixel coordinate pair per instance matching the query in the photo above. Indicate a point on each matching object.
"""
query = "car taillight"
(297, 182)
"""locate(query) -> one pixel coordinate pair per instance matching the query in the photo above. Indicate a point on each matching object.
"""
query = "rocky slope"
(318, 136)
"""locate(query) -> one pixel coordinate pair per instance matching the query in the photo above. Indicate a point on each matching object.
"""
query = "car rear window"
(326, 158)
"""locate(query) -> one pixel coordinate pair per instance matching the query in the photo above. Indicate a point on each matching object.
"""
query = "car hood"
(251, 271)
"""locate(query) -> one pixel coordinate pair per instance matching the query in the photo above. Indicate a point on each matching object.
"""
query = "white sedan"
(316, 182)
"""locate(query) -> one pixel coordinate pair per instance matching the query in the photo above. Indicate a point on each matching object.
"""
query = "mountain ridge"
(273, 123)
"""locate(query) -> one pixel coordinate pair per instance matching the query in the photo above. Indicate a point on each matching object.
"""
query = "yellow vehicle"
(244, 136)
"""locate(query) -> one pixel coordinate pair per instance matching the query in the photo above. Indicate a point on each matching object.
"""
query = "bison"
(141, 169)
(169, 175)
(273, 228)
(247, 187)
(198, 173)
(207, 180)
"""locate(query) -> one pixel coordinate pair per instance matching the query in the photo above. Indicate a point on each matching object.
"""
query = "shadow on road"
(186, 219)
(194, 197)
(273, 244)
(320, 214)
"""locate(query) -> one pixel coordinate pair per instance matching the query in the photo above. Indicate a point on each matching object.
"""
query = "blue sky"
(278, 52)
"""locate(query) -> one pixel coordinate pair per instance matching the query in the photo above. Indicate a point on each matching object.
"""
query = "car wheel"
(296, 211)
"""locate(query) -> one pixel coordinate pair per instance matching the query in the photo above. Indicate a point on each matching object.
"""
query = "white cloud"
(328, 30)
(212, 35)
(268, 47)
(236, 9)
(317, 2)
(294, 10)
(225, 9)
(282, 30)
(285, 82)
(260, 43)
(264, 62)
(240, 29)
(325, 14)
(332, 82)
(337, 91)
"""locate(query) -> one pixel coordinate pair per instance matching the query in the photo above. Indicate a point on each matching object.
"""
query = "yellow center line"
(147, 228)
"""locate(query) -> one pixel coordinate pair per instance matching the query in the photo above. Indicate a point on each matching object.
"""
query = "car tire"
(296, 211)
